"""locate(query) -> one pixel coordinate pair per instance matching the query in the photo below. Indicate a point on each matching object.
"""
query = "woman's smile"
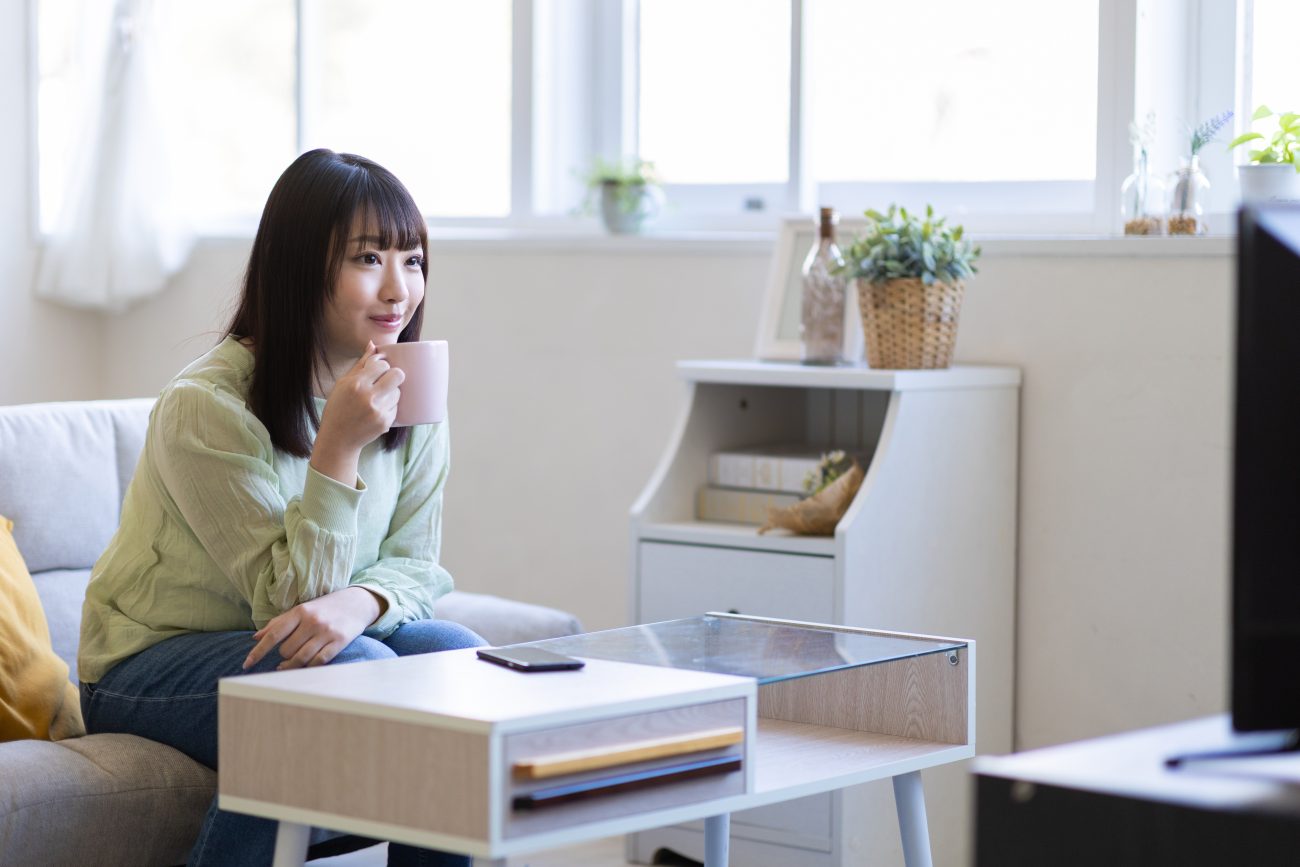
(389, 322)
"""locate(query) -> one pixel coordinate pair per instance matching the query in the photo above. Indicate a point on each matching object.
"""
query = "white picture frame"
(779, 319)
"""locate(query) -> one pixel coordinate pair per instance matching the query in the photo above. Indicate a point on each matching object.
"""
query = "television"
(1265, 665)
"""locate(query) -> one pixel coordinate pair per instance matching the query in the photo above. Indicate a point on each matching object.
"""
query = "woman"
(274, 508)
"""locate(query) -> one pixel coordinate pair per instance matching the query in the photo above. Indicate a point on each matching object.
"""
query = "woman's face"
(376, 294)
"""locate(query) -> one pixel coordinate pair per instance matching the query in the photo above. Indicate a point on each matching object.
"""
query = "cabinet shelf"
(725, 535)
(747, 372)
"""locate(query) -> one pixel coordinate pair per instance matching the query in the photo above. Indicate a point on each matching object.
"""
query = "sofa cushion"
(65, 467)
(36, 699)
(130, 801)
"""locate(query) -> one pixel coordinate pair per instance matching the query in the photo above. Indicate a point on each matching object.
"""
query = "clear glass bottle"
(1187, 190)
(822, 325)
(1142, 199)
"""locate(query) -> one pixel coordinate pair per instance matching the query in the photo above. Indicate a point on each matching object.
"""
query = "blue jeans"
(168, 693)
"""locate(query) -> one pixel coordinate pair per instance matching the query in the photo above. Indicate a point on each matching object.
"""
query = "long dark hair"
(299, 249)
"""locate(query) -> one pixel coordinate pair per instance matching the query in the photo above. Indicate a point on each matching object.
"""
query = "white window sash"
(1188, 59)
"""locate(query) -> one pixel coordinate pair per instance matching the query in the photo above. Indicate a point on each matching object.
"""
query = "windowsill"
(525, 241)
(762, 243)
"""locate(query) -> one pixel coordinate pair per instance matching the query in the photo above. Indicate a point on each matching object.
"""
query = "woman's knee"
(361, 649)
(431, 636)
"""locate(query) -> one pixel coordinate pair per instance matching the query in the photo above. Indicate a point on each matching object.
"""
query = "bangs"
(387, 211)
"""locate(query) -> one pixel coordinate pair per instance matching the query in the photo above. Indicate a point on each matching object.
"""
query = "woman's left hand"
(314, 632)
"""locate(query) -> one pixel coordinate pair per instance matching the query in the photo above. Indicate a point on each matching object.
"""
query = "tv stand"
(1251, 749)
(1113, 801)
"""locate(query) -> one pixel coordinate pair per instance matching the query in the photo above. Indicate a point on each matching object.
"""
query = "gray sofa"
(118, 799)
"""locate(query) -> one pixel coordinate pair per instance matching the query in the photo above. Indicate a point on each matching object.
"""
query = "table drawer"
(586, 772)
(686, 580)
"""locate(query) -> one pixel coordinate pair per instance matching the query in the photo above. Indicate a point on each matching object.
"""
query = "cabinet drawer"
(688, 580)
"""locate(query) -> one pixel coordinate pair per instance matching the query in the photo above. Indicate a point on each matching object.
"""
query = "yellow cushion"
(36, 698)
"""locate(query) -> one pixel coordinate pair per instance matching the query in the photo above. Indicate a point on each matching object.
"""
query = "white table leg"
(291, 841)
(912, 824)
(717, 838)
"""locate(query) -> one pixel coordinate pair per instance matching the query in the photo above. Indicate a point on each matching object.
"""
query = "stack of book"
(744, 483)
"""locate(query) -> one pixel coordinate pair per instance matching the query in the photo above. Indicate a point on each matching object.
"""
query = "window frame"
(574, 97)
(1095, 202)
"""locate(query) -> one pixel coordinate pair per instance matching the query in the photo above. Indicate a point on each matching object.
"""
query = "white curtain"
(118, 236)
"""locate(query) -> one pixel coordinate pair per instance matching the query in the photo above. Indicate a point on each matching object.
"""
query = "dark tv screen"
(1266, 473)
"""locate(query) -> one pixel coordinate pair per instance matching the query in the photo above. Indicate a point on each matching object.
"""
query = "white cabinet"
(927, 546)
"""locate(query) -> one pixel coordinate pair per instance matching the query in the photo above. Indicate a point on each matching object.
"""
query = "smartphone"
(529, 659)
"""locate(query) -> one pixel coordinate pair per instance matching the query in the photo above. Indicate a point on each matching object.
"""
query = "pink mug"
(424, 390)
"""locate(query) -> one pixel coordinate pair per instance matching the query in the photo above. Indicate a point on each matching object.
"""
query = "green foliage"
(630, 176)
(624, 172)
(899, 244)
(1281, 146)
(1205, 133)
(831, 466)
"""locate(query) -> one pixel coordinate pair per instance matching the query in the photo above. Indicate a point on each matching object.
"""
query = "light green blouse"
(220, 531)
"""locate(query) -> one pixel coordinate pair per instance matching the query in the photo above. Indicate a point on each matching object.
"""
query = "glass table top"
(763, 650)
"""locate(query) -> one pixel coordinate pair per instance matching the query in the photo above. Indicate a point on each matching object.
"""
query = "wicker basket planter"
(908, 325)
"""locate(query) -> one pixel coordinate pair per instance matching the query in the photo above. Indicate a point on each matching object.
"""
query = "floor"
(598, 853)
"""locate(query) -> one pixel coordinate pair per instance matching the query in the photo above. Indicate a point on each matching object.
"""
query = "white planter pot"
(624, 210)
(1275, 182)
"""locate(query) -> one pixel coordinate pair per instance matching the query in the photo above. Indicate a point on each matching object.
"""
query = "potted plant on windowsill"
(1273, 174)
(910, 273)
(628, 193)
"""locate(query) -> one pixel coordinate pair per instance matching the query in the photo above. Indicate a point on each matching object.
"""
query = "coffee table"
(667, 723)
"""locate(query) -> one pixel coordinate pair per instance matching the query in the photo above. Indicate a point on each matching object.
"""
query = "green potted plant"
(627, 190)
(1273, 173)
(910, 273)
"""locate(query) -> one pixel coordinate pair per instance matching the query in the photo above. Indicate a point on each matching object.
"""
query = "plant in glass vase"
(1142, 195)
(1273, 173)
(1189, 184)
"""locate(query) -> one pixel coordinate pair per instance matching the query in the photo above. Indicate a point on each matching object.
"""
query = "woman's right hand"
(361, 407)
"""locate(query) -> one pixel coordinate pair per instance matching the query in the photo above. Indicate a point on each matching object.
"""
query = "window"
(714, 97)
(998, 110)
(1269, 76)
(1012, 115)
(714, 100)
(1005, 97)
(423, 88)
(226, 94)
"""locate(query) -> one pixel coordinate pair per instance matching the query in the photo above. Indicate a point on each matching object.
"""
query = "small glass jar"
(1187, 189)
(1142, 199)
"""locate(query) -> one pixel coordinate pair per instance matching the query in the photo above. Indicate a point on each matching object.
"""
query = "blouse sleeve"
(215, 463)
(407, 574)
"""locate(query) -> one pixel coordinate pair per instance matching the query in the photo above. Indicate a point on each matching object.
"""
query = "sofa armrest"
(504, 621)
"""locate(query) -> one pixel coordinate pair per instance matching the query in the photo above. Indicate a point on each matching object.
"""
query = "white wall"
(564, 395)
(1124, 484)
